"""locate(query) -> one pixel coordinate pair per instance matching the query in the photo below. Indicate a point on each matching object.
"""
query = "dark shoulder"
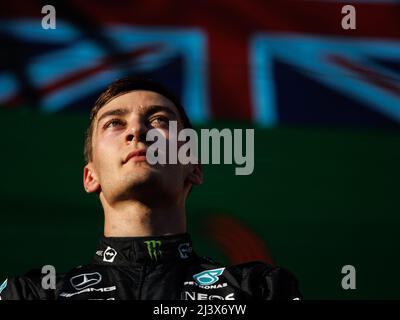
(266, 281)
(86, 268)
(253, 267)
(41, 283)
(36, 284)
(243, 270)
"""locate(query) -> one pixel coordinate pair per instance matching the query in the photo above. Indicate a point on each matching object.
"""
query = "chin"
(141, 177)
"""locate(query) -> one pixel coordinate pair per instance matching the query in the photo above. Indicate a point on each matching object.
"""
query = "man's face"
(120, 128)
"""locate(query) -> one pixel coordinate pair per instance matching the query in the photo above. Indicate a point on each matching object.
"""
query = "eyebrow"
(122, 112)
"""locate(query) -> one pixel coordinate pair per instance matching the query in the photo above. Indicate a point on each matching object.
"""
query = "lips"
(137, 155)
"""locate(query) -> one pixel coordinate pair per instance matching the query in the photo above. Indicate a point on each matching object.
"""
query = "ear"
(90, 181)
(195, 176)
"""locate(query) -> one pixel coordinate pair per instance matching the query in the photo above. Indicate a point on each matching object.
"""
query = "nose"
(136, 132)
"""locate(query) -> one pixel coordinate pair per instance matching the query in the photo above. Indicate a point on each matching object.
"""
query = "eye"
(159, 121)
(113, 123)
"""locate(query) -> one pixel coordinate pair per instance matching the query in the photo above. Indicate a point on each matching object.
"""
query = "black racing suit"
(155, 268)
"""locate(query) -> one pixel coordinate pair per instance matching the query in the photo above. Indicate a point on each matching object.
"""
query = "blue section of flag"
(74, 68)
(343, 66)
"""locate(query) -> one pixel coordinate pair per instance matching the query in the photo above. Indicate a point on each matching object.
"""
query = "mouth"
(136, 156)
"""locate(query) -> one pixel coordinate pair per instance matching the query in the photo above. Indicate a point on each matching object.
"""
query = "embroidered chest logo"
(154, 249)
(208, 277)
(109, 255)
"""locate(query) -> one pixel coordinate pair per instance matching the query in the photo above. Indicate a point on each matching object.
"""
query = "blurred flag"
(271, 63)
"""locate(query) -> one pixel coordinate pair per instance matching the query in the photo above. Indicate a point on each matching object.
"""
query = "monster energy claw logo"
(153, 248)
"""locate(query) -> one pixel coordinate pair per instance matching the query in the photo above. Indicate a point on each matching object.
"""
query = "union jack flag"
(268, 62)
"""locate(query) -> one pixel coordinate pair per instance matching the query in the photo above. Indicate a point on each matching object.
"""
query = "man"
(146, 252)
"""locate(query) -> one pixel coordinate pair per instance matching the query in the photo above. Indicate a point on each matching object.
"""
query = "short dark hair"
(125, 85)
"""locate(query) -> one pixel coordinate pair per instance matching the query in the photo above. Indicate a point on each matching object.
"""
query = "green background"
(320, 198)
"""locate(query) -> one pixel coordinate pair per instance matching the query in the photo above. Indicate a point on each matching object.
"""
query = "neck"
(135, 219)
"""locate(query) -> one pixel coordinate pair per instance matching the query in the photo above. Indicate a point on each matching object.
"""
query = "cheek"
(108, 142)
(106, 152)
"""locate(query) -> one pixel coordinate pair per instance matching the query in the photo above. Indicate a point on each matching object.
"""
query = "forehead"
(137, 101)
